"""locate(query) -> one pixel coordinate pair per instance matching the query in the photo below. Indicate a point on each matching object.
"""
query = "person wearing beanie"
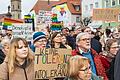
(37, 36)
(39, 41)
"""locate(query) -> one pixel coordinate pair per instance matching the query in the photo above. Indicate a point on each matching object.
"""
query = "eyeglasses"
(9, 34)
(42, 41)
(88, 31)
(67, 30)
(58, 36)
(85, 39)
(86, 69)
(115, 47)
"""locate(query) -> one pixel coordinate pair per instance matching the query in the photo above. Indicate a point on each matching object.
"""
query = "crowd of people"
(95, 54)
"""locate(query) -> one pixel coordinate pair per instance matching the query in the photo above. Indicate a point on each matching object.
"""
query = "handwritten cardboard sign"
(106, 14)
(51, 63)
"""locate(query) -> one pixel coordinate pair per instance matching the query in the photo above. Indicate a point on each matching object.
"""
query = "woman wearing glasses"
(56, 40)
(111, 48)
(80, 69)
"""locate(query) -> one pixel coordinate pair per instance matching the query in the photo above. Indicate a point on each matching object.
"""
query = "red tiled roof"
(5, 19)
(60, 2)
(71, 4)
(43, 5)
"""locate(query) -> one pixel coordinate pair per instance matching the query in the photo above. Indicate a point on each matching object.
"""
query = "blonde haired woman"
(80, 69)
(19, 64)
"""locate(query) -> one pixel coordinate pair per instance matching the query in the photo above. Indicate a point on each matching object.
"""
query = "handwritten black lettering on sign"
(106, 14)
(23, 30)
(51, 63)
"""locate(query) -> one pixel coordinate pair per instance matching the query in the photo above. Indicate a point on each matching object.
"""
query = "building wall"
(111, 3)
(75, 20)
(16, 9)
(106, 3)
(88, 6)
(87, 9)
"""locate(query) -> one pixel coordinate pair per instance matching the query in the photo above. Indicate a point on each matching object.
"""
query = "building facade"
(68, 11)
(87, 12)
(88, 6)
(111, 3)
(16, 9)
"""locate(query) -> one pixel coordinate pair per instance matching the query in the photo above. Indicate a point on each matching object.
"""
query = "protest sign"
(51, 63)
(56, 25)
(106, 14)
(44, 16)
(23, 30)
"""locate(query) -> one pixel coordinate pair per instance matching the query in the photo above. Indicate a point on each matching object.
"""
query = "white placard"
(23, 30)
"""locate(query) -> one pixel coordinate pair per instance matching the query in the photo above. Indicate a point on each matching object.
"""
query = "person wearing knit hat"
(39, 40)
(37, 36)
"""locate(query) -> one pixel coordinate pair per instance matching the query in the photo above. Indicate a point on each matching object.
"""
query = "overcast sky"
(26, 6)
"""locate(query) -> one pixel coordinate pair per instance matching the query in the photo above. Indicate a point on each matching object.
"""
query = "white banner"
(23, 30)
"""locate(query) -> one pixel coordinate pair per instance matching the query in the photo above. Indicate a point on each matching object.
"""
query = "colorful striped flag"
(7, 25)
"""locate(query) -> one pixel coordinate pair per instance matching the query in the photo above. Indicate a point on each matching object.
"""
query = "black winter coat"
(2, 56)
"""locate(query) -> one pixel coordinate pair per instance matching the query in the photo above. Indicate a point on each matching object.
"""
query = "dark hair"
(84, 28)
(65, 37)
(65, 28)
(108, 44)
(52, 37)
(107, 31)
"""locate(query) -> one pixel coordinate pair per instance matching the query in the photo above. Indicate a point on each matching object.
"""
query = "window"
(106, 3)
(18, 6)
(96, 5)
(86, 7)
(91, 6)
(77, 19)
(18, 16)
(113, 2)
(13, 7)
(77, 7)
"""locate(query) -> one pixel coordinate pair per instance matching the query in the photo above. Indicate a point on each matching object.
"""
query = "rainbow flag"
(6, 25)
